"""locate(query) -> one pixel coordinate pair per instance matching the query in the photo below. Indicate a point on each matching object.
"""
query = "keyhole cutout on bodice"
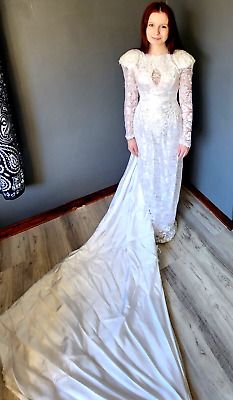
(156, 76)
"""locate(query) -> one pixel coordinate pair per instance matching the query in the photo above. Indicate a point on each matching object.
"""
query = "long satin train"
(97, 325)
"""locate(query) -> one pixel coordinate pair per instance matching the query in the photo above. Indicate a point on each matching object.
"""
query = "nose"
(157, 30)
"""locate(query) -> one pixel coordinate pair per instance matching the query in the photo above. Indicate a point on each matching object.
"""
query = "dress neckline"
(157, 55)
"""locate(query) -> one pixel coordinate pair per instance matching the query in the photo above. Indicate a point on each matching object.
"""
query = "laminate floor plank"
(212, 233)
(185, 242)
(207, 379)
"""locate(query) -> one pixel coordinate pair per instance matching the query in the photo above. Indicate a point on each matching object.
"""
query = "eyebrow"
(151, 22)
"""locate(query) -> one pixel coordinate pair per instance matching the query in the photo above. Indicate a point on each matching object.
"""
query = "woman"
(158, 129)
(97, 326)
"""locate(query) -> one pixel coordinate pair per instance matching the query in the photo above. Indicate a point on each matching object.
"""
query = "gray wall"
(206, 27)
(63, 61)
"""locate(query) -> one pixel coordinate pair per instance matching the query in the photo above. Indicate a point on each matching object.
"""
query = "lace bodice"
(156, 80)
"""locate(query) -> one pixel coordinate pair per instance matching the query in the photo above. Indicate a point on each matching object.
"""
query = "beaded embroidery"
(156, 76)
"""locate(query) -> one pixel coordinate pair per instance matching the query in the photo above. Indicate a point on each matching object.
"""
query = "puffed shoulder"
(130, 58)
(183, 59)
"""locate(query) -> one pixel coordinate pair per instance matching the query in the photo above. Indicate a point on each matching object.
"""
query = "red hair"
(173, 41)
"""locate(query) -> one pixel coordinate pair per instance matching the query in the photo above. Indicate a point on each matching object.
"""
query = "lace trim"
(185, 100)
(166, 236)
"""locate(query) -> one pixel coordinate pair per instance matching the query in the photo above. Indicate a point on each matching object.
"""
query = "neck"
(158, 50)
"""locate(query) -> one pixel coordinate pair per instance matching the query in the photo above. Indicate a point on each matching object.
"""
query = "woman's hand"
(182, 151)
(133, 147)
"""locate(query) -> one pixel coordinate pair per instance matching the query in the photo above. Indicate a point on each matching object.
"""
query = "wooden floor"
(197, 274)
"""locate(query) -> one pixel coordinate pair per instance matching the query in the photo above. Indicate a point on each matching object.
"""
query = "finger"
(181, 155)
(135, 150)
(186, 152)
(130, 148)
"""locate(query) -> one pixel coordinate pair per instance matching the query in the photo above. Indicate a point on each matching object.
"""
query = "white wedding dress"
(97, 325)
(159, 124)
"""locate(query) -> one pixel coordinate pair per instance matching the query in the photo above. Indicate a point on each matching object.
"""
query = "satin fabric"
(97, 325)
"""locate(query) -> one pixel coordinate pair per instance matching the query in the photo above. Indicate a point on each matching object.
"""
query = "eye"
(164, 26)
(150, 24)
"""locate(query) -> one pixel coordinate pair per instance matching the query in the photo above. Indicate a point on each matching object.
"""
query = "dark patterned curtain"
(11, 172)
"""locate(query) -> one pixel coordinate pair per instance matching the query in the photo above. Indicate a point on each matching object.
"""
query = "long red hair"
(173, 41)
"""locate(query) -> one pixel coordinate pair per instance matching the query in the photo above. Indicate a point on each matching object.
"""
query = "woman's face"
(157, 28)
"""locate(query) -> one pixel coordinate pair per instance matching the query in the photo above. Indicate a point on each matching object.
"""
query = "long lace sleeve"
(185, 100)
(128, 62)
(131, 101)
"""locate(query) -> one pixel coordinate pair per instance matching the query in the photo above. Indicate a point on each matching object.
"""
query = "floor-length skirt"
(157, 128)
(97, 325)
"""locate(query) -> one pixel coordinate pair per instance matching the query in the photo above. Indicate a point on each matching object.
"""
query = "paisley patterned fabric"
(159, 124)
(11, 172)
